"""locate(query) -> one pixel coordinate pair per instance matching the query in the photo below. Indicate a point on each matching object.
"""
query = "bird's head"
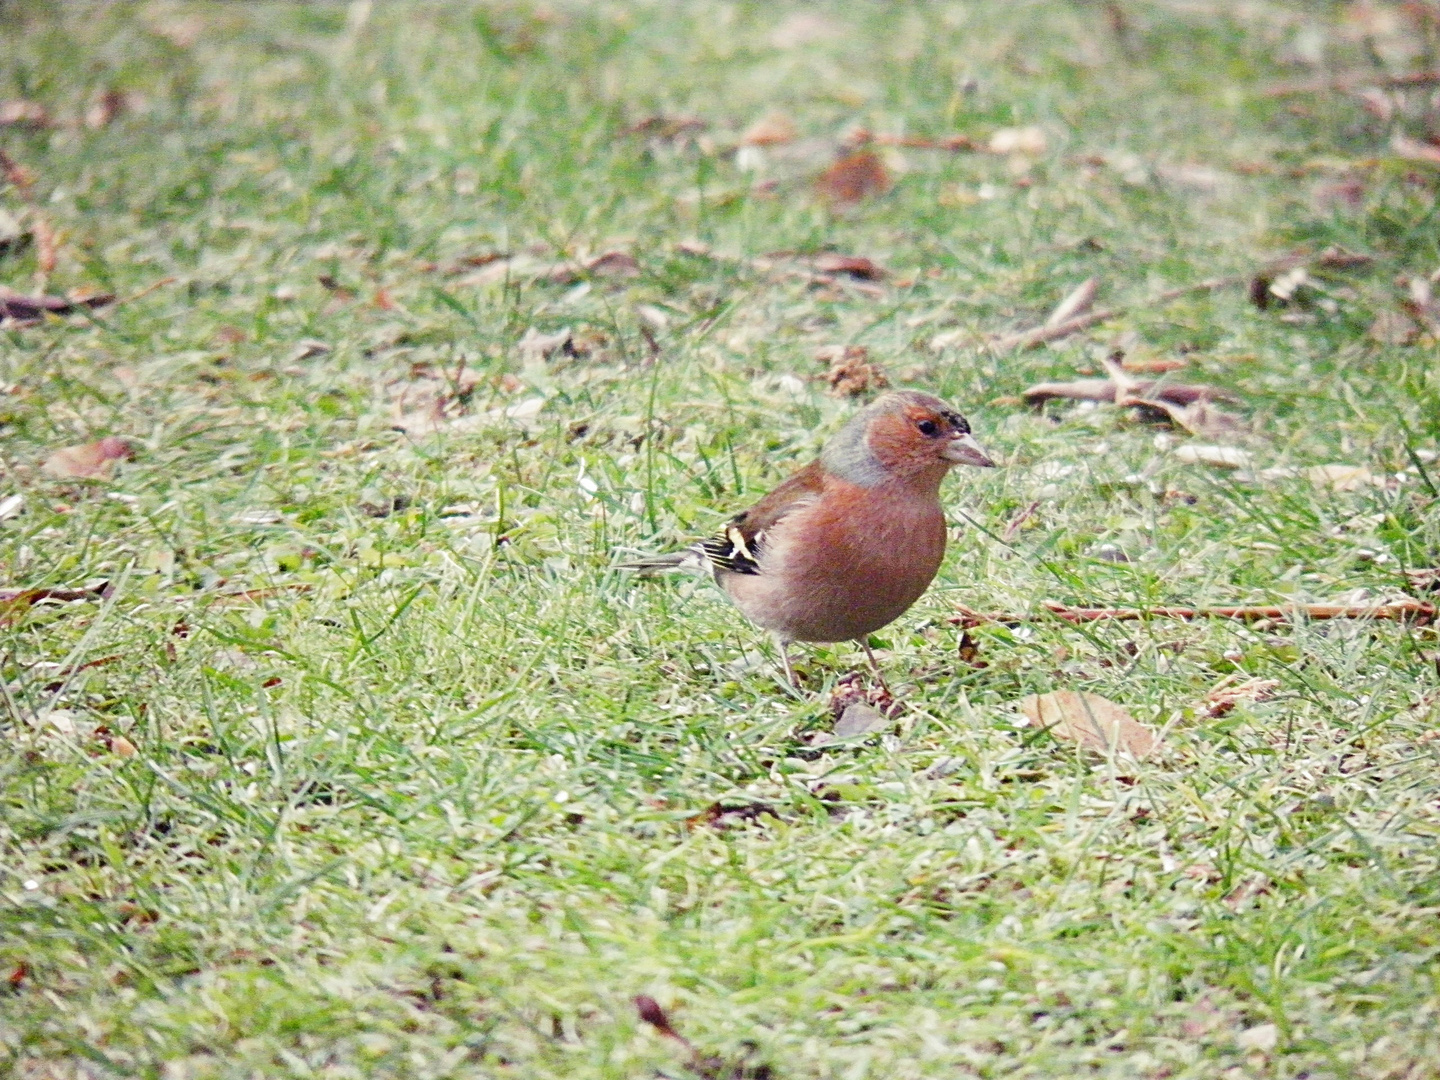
(903, 435)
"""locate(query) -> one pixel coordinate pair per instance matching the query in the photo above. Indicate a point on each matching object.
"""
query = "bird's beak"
(964, 450)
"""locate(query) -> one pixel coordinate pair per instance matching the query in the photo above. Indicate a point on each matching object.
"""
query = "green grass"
(419, 777)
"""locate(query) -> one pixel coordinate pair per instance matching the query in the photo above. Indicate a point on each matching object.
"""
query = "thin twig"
(1407, 609)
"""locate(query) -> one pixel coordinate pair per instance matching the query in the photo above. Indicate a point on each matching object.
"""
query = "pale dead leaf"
(1393, 328)
(1221, 457)
(1261, 1037)
(20, 113)
(1104, 390)
(1410, 149)
(1338, 477)
(857, 721)
(536, 345)
(1019, 141)
(1080, 300)
(772, 129)
(1199, 418)
(854, 178)
(89, 460)
(1090, 720)
(121, 746)
(803, 28)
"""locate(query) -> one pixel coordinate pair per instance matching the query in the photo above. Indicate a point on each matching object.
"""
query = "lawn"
(334, 743)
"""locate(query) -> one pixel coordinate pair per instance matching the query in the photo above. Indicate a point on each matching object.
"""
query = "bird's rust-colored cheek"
(896, 443)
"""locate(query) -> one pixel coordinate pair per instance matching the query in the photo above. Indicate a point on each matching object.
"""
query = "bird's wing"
(737, 546)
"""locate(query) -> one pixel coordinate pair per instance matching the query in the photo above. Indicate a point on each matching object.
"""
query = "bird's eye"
(928, 428)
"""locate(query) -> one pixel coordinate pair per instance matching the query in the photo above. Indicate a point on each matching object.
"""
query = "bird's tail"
(654, 564)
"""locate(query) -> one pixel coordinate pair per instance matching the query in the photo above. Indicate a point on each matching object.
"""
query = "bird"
(845, 545)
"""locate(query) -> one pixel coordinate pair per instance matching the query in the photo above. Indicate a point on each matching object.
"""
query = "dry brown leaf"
(851, 373)
(108, 108)
(93, 460)
(856, 266)
(121, 746)
(772, 129)
(1090, 720)
(1080, 300)
(855, 177)
(1229, 693)
(1338, 477)
(14, 305)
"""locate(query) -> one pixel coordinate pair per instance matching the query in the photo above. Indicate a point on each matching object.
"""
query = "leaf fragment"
(854, 178)
(772, 129)
(1092, 721)
(1080, 300)
(90, 461)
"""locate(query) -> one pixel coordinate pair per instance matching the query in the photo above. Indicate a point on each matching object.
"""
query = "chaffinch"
(848, 543)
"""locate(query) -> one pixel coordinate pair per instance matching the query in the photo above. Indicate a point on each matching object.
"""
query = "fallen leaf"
(803, 28)
(859, 720)
(1409, 149)
(1261, 1037)
(14, 305)
(612, 264)
(1343, 477)
(1200, 178)
(11, 505)
(719, 816)
(1199, 418)
(108, 108)
(1090, 720)
(856, 266)
(1021, 141)
(772, 129)
(1080, 300)
(854, 178)
(1222, 457)
(851, 373)
(1393, 328)
(47, 243)
(20, 113)
(1104, 390)
(89, 460)
(122, 747)
(18, 971)
(1225, 696)
(309, 349)
(536, 345)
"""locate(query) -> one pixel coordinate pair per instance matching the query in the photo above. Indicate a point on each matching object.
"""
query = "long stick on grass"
(1408, 609)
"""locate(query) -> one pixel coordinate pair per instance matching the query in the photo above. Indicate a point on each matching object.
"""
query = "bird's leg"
(784, 647)
(875, 667)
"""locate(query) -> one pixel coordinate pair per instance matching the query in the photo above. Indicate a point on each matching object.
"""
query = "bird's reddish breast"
(847, 564)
